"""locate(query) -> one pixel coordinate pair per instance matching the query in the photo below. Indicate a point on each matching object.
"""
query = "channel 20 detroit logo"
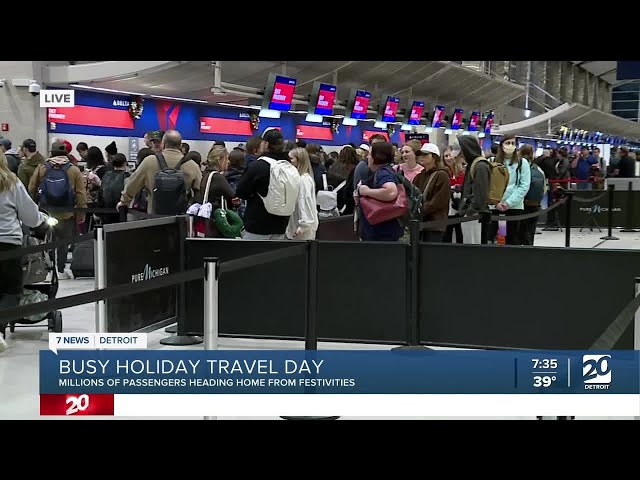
(596, 372)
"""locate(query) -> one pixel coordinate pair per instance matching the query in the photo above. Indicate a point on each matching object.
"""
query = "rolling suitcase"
(82, 261)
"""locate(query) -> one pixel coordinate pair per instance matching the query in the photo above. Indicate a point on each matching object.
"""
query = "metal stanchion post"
(485, 221)
(100, 274)
(211, 272)
(567, 220)
(636, 329)
(413, 324)
(609, 235)
(630, 210)
(174, 328)
(181, 338)
(311, 333)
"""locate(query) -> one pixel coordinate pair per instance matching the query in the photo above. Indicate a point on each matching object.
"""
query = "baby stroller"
(40, 277)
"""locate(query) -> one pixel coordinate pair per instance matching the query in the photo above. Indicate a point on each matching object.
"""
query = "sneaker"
(63, 276)
(3, 344)
(69, 273)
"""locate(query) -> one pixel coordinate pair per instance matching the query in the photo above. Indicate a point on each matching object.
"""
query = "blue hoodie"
(519, 183)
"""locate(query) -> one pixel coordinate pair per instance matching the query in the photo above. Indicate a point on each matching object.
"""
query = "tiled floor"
(19, 364)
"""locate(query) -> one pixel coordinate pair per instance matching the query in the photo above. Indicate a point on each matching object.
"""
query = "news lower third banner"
(441, 383)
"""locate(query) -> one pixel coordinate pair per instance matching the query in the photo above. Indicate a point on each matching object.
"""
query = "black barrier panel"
(363, 291)
(519, 297)
(262, 301)
(338, 228)
(596, 213)
(135, 252)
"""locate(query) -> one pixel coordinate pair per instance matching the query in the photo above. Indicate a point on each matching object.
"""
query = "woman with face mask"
(512, 202)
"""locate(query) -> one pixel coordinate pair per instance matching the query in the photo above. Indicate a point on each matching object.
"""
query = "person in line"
(145, 174)
(475, 188)
(382, 185)
(254, 150)
(410, 167)
(434, 184)
(315, 157)
(93, 171)
(456, 179)
(343, 170)
(584, 170)
(216, 164)
(195, 157)
(67, 221)
(13, 159)
(236, 168)
(184, 148)
(512, 202)
(254, 184)
(83, 150)
(31, 159)
(111, 187)
(16, 209)
(303, 223)
(362, 172)
(528, 231)
(626, 165)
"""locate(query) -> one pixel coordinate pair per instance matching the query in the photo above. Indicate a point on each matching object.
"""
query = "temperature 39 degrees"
(543, 381)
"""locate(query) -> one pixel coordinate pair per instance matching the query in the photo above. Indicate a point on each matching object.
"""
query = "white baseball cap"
(430, 148)
(365, 147)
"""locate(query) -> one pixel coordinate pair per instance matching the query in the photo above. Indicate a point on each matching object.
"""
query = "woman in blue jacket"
(512, 202)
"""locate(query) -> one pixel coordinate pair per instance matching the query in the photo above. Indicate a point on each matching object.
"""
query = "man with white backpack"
(270, 185)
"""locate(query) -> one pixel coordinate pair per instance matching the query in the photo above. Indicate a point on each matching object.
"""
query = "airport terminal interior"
(564, 137)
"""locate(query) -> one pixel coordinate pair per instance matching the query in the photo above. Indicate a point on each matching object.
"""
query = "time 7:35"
(544, 363)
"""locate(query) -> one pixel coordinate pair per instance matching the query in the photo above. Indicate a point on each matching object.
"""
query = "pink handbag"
(377, 211)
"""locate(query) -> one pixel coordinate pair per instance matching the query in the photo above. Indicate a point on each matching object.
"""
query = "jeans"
(65, 229)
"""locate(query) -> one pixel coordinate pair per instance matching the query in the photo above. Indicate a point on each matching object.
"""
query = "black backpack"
(169, 191)
(13, 161)
(112, 187)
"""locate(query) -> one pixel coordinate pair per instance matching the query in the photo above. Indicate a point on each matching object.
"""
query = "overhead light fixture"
(352, 122)
(527, 113)
(107, 90)
(267, 113)
(178, 99)
(313, 118)
(406, 127)
(381, 125)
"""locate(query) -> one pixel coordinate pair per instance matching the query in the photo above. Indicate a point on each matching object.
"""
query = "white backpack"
(327, 200)
(284, 186)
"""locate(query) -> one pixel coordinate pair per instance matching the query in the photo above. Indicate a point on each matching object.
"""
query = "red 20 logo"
(77, 404)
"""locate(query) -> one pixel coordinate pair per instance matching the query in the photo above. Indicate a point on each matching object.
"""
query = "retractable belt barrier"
(591, 200)
(493, 218)
(20, 252)
(16, 313)
(91, 235)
